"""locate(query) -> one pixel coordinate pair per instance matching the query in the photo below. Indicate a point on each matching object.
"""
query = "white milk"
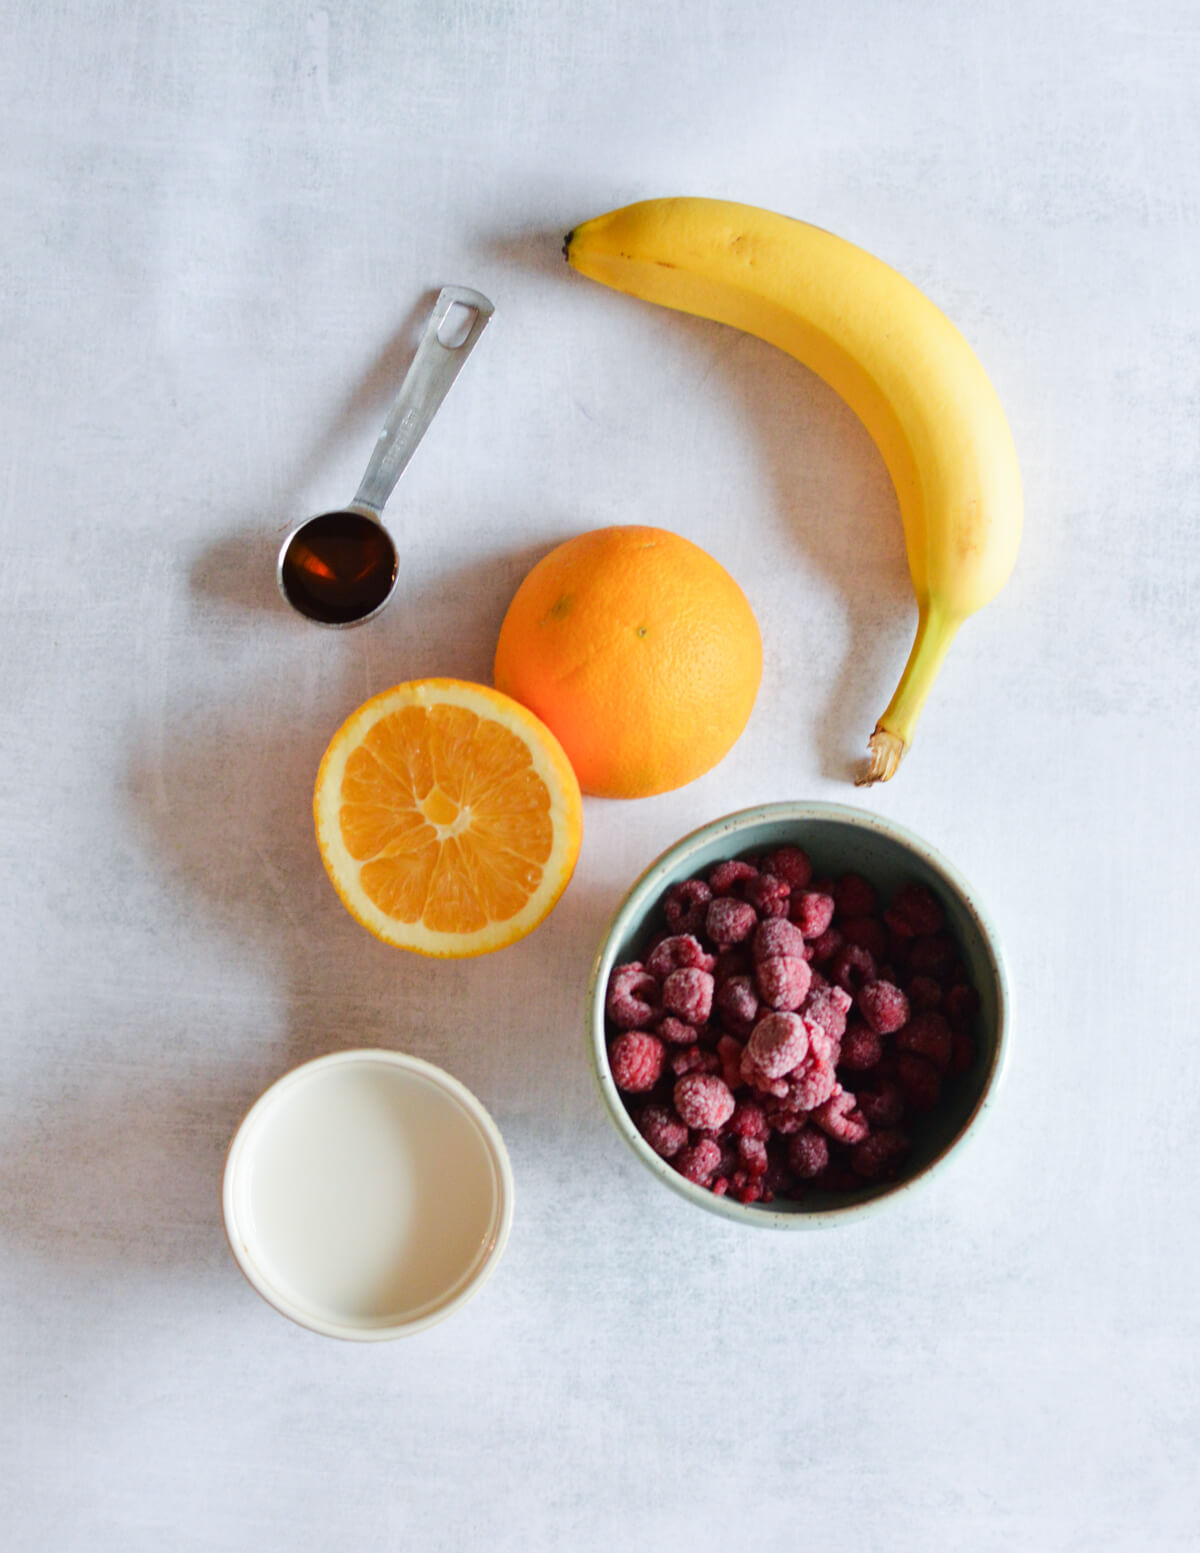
(371, 1193)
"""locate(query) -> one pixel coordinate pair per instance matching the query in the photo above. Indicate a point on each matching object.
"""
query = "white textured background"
(220, 222)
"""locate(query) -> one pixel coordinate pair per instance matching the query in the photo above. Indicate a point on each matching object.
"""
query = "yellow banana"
(889, 352)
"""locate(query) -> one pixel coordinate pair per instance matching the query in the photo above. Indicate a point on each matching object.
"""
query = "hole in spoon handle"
(426, 383)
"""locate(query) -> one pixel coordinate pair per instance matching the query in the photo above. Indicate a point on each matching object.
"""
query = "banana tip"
(567, 244)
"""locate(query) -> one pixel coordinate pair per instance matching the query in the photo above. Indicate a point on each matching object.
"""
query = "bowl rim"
(643, 893)
(477, 1275)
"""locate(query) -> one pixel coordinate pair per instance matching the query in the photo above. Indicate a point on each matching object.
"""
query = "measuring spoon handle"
(425, 385)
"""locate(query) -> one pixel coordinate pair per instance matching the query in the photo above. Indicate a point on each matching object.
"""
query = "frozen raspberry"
(675, 1032)
(680, 952)
(812, 1083)
(693, 1059)
(962, 1053)
(777, 1044)
(784, 1119)
(753, 1155)
(662, 1129)
(704, 1101)
(698, 1162)
(840, 1117)
(961, 1004)
(777, 936)
(689, 994)
(861, 1048)
(808, 1153)
(811, 911)
(726, 878)
(914, 910)
(868, 932)
(730, 1053)
(632, 996)
(732, 961)
(882, 1104)
(931, 955)
(791, 865)
(729, 921)
(879, 1156)
(636, 1061)
(923, 993)
(828, 1006)
(826, 946)
(855, 897)
(737, 1000)
(749, 1120)
(783, 981)
(768, 895)
(749, 1189)
(853, 967)
(919, 1080)
(884, 1006)
(929, 1036)
(686, 905)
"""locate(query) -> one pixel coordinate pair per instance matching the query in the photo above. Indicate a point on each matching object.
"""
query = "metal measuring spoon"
(339, 569)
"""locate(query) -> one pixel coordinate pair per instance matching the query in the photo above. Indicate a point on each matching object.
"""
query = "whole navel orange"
(639, 652)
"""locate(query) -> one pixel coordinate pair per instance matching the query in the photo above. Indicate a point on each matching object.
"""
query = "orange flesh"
(448, 818)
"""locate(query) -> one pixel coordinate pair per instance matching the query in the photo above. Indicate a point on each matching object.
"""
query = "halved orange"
(448, 817)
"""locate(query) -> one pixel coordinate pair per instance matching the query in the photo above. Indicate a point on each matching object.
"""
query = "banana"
(889, 352)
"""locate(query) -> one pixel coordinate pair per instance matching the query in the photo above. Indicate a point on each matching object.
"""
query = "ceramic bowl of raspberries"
(798, 1013)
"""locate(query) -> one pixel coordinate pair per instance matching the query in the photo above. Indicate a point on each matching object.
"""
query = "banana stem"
(894, 730)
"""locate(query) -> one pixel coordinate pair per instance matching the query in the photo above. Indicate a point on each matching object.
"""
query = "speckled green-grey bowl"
(839, 839)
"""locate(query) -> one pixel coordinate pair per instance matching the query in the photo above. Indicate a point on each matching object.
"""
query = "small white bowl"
(839, 839)
(367, 1195)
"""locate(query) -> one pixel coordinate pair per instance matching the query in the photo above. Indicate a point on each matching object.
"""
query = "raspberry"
(719, 1186)
(732, 961)
(869, 932)
(675, 1032)
(632, 996)
(861, 1048)
(828, 1006)
(693, 1060)
(919, 1080)
(879, 1156)
(689, 993)
(791, 865)
(931, 955)
(737, 999)
(748, 1190)
(682, 952)
(929, 1036)
(811, 911)
(884, 1005)
(854, 896)
(726, 877)
(924, 992)
(753, 1156)
(636, 1061)
(783, 981)
(840, 1117)
(961, 1004)
(749, 1120)
(812, 1083)
(686, 904)
(662, 1130)
(704, 1101)
(808, 1153)
(826, 945)
(729, 921)
(777, 936)
(783, 1119)
(882, 1106)
(768, 895)
(914, 910)
(698, 1162)
(962, 1053)
(853, 967)
(730, 1053)
(777, 1044)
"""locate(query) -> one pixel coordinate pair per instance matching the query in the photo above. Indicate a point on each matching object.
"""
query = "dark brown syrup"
(339, 567)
